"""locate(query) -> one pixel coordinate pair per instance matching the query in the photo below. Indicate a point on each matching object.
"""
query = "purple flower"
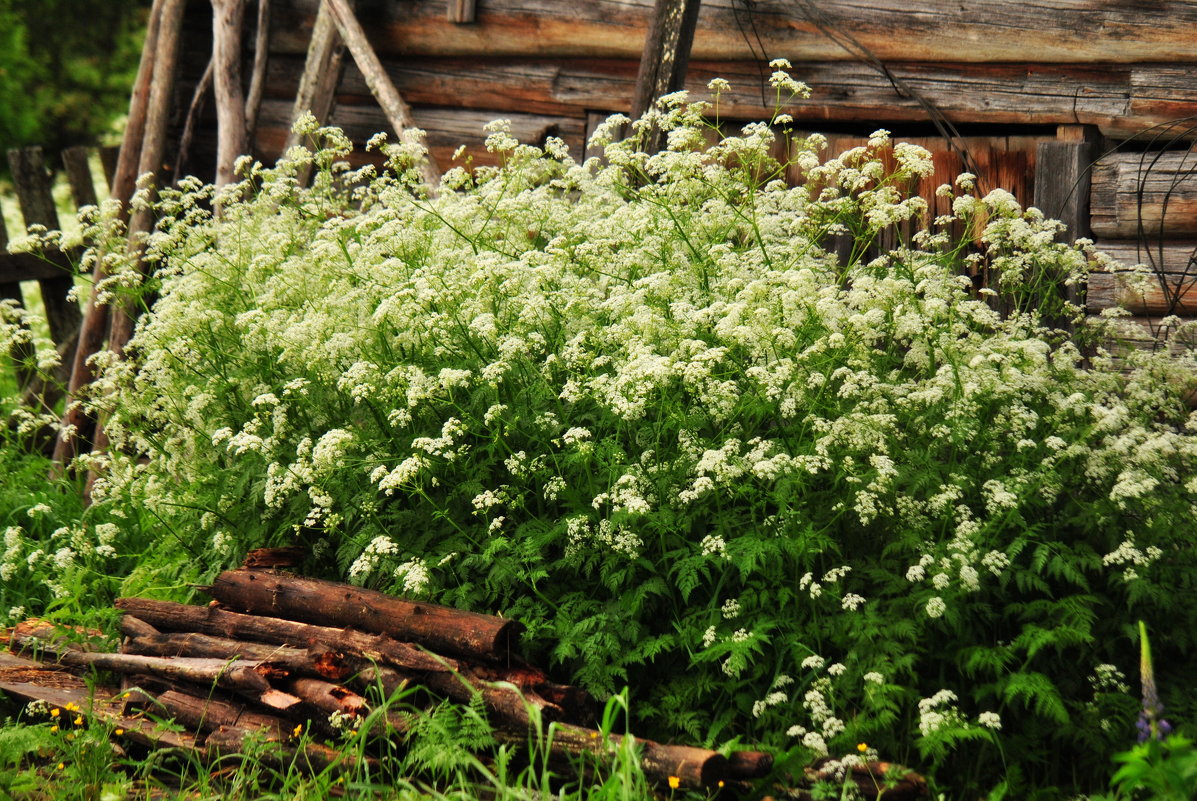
(1151, 723)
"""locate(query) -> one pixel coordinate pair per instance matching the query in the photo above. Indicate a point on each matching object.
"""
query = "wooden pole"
(153, 147)
(227, 22)
(257, 81)
(397, 111)
(664, 59)
(121, 184)
(193, 111)
(321, 73)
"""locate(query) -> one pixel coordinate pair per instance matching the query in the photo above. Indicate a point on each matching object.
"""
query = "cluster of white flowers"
(1128, 554)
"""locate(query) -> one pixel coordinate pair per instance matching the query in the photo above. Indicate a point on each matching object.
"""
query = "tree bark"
(439, 628)
(295, 661)
(181, 617)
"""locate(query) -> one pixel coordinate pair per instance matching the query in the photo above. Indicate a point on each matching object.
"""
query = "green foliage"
(638, 405)
(66, 69)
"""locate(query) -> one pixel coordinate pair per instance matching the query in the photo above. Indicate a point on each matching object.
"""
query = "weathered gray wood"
(194, 109)
(321, 72)
(257, 81)
(462, 11)
(1144, 296)
(1174, 257)
(1062, 31)
(1100, 95)
(232, 142)
(31, 179)
(664, 59)
(1062, 170)
(1153, 193)
(76, 161)
(10, 289)
(397, 111)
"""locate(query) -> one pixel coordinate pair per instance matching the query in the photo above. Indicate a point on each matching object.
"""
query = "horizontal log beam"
(1120, 100)
(1168, 256)
(1141, 295)
(1152, 193)
(934, 30)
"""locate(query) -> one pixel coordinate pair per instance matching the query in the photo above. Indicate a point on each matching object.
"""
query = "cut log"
(210, 712)
(181, 617)
(295, 661)
(1145, 194)
(329, 698)
(749, 765)
(28, 680)
(674, 766)
(439, 628)
(936, 30)
(393, 105)
(135, 627)
(241, 675)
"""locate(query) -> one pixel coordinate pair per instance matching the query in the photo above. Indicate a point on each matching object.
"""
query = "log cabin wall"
(1090, 88)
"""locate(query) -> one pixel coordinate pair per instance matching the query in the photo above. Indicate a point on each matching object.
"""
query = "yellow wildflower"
(674, 782)
(862, 747)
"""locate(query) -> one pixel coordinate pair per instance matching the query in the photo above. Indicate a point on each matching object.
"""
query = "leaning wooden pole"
(149, 160)
(232, 141)
(664, 60)
(75, 422)
(397, 111)
(257, 80)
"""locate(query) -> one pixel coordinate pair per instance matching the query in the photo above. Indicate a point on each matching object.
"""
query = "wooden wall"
(1017, 75)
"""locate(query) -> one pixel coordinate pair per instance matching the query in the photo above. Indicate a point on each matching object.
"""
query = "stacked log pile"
(276, 657)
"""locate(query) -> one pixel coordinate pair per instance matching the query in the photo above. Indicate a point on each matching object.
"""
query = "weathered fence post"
(321, 74)
(1062, 184)
(462, 11)
(664, 60)
(36, 196)
(11, 290)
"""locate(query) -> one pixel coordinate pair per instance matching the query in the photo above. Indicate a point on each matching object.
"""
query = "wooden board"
(1121, 101)
(1157, 192)
(1061, 31)
(1174, 257)
(1144, 296)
